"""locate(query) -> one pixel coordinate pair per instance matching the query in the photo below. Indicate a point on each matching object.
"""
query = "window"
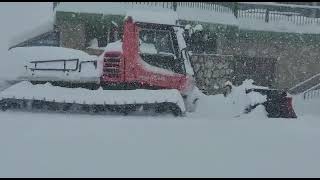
(156, 42)
(157, 49)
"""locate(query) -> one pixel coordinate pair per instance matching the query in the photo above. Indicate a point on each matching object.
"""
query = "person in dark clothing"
(197, 42)
(187, 35)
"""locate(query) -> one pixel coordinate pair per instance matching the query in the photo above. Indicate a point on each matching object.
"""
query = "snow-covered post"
(235, 9)
(314, 9)
(267, 15)
(55, 4)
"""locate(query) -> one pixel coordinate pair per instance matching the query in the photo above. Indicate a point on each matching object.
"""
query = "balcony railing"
(264, 12)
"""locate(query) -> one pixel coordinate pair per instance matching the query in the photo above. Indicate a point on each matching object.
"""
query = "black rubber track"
(42, 105)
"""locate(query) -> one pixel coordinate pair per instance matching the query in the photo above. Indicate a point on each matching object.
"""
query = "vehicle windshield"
(156, 42)
(157, 49)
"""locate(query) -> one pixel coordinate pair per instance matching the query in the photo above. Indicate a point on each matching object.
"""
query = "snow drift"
(233, 105)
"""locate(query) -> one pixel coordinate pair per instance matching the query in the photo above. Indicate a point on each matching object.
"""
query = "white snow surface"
(283, 5)
(308, 106)
(32, 18)
(207, 143)
(32, 32)
(65, 145)
(114, 46)
(281, 24)
(256, 98)
(234, 104)
(16, 19)
(156, 17)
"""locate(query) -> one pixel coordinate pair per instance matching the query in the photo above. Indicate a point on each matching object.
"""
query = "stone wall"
(277, 60)
(228, 41)
(212, 71)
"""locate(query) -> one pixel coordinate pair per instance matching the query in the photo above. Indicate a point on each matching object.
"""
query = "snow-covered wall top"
(157, 17)
(32, 32)
(121, 8)
(281, 5)
(276, 21)
(250, 19)
(114, 8)
(278, 25)
(208, 16)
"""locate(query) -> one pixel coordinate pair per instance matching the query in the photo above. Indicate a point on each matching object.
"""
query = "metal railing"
(311, 94)
(306, 85)
(272, 13)
(77, 67)
(274, 16)
(310, 88)
(216, 6)
(266, 13)
(55, 61)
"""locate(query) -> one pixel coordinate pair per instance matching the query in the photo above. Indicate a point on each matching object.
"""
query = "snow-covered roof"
(32, 32)
(157, 17)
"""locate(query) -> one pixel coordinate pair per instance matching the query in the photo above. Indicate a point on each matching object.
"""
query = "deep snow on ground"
(71, 145)
(208, 143)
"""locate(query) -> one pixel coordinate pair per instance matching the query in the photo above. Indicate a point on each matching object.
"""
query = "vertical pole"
(175, 6)
(235, 9)
(55, 4)
(267, 16)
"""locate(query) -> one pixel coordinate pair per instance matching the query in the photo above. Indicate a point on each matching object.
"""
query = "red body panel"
(130, 69)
